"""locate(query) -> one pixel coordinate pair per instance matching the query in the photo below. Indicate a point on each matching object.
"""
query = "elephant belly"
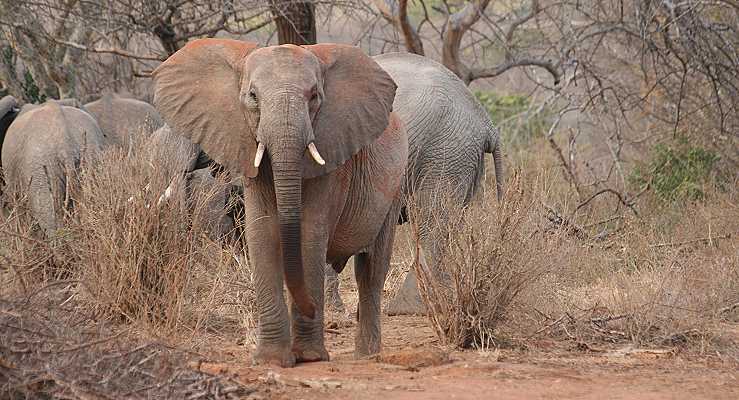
(372, 178)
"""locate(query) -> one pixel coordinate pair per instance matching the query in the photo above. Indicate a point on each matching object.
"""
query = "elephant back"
(42, 148)
(50, 132)
(448, 129)
(121, 119)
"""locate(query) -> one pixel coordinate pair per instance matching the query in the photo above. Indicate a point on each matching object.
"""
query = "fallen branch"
(705, 239)
(728, 309)
(621, 199)
(557, 219)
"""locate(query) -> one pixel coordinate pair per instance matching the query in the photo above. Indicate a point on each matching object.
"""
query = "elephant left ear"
(355, 110)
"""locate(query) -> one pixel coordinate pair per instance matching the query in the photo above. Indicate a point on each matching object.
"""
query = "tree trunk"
(296, 21)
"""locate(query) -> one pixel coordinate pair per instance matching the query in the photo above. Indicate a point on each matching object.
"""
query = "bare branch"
(397, 14)
(110, 50)
(491, 72)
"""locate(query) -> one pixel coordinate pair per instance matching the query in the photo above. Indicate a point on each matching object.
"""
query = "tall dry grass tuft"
(538, 264)
(488, 253)
(27, 257)
(659, 280)
(131, 254)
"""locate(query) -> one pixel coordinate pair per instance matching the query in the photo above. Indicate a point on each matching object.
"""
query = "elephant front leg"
(273, 338)
(308, 339)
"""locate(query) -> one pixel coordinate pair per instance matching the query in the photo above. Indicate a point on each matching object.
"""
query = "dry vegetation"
(518, 270)
(127, 263)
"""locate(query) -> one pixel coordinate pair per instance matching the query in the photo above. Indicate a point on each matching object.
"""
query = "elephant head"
(307, 109)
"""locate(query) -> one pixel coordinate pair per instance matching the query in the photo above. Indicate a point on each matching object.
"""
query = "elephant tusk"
(315, 154)
(259, 155)
(167, 194)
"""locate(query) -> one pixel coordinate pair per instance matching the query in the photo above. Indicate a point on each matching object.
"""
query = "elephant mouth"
(311, 149)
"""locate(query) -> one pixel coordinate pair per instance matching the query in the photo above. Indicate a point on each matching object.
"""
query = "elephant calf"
(198, 177)
(42, 149)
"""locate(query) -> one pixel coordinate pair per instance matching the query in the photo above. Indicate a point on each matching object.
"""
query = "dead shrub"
(488, 253)
(131, 254)
(650, 283)
(659, 278)
(540, 264)
(26, 255)
(140, 252)
(50, 349)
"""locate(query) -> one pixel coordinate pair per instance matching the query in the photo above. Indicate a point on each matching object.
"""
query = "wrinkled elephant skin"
(41, 153)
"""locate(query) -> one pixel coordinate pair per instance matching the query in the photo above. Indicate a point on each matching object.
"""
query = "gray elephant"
(42, 150)
(197, 177)
(311, 130)
(449, 133)
(120, 118)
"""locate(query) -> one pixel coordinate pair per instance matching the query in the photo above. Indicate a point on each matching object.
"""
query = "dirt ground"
(413, 367)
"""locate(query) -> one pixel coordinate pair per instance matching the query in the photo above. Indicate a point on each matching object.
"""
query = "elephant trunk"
(287, 172)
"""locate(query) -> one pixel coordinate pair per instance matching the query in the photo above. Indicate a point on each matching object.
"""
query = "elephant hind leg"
(46, 195)
(370, 270)
(332, 295)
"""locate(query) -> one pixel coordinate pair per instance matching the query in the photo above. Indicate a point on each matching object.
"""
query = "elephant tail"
(494, 148)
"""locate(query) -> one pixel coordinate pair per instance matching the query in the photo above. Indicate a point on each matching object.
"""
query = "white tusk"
(167, 194)
(315, 154)
(260, 154)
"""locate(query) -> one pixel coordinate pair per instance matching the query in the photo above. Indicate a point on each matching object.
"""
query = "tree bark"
(296, 21)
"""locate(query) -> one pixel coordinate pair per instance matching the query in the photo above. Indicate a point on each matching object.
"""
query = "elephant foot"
(408, 300)
(276, 355)
(364, 349)
(360, 354)
(310, 352)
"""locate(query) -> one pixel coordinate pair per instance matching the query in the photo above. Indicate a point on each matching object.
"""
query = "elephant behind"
(449, 132)
(120, 118)
(42, 150)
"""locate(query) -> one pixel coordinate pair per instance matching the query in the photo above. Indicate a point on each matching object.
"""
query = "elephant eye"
(252, 95)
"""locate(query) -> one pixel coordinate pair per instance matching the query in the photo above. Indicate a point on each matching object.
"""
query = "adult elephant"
(449, 133)
(121, 118)
(41, 152)
(266, 113)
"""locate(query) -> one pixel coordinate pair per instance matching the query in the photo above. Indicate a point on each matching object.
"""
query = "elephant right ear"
(197, 93)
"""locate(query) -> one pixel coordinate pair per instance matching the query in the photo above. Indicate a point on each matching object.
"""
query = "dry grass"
(533, 267)
(134, 256)
(489, 253)
(52, 349)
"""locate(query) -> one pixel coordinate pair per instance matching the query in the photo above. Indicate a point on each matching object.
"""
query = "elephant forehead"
(284, 56)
